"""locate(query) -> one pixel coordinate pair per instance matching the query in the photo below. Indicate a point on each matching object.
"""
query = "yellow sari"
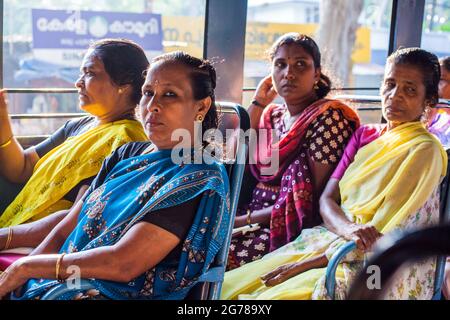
(61, 169)
(390, 179)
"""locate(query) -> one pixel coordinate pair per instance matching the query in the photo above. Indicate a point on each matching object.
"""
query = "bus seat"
(29, 141)
(396, 251)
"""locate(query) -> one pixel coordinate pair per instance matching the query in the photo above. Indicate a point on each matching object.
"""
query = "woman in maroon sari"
(311, 134)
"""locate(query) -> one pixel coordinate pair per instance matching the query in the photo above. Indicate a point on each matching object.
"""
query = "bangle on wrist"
(256, 103)
(8, 240)
(7, 143)
(249, 217)
(58, 266)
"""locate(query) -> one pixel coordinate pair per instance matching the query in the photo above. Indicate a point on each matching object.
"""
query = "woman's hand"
(290, 270)
(282, 273)
(364, 235)
(265, 92)
(12, 279)
(3, 100)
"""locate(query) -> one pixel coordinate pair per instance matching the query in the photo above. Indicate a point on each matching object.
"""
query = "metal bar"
(406, 24)
(369, 109)
(393, 27)
(1, 41)
(41, 90)
(246, 89)
(206, 30)
(48, 116)
(73, 90)
(223, 107)
(224, 43)
(359, 98)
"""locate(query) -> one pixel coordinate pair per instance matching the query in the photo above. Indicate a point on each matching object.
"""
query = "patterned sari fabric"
(148, 183)
(319, 134)
(62, 168)
(440, 125)
(392, 184)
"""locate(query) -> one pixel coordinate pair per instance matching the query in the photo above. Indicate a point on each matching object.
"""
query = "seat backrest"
(234, 118)
(29, 141)
(444, 200)
(444, 217)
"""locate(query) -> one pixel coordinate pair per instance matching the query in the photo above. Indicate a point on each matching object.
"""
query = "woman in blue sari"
(149, 225)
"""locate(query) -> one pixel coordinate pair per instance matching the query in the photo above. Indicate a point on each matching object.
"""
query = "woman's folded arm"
(336, 221)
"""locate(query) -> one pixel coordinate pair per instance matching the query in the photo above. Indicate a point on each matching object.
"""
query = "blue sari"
(138, 186)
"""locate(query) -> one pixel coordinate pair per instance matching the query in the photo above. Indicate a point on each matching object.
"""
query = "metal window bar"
(367, 99)
(249, 89)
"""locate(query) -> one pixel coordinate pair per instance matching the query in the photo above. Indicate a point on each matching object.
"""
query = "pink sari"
(296, 191)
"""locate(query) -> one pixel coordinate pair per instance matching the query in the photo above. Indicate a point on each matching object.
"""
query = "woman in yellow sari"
(391, 182)
(58, 171)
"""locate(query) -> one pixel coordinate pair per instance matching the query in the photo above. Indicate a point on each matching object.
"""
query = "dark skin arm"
(334, 218)
(364, 235)
(17, 164)
(321, 173)
(265, 94)
(33, 233)
(142, 247)
(262, 217)
(287, 271)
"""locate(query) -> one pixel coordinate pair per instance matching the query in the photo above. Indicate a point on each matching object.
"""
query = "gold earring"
(120, 91)
(199, 118)
(316, 87)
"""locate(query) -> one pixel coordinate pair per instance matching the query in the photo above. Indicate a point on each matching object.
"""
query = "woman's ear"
(125, 89)
(317, 74)
(204, 105)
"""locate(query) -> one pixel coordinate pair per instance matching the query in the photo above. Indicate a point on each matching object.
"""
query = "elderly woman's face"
(168, 103)
(294, 73)
(403, 93)
(97, 94)
(444, 84)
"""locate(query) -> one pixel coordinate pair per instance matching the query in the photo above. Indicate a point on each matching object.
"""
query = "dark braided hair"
(124, 61)
(427, 63)
(203, 81)
(311, 47)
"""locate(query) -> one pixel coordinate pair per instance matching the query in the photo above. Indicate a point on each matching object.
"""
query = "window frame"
(224, 38)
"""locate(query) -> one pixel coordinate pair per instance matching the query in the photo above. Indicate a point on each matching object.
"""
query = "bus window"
(352, 61)
(44, 43)
(436, 27)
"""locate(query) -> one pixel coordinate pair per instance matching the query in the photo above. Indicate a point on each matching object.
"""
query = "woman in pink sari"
(439, 116)
(310, 132)
(440, 126)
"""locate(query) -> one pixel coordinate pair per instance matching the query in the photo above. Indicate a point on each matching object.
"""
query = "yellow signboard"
(260, 36)
(183, 33)
(186, 33)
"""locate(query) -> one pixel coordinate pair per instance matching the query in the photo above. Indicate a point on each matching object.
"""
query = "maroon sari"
(320, 133)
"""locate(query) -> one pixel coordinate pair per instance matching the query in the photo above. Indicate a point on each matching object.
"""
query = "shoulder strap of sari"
(393, 176)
